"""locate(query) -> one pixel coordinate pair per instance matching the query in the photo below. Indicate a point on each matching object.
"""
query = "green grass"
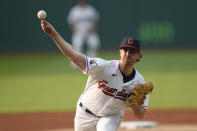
(46, 82)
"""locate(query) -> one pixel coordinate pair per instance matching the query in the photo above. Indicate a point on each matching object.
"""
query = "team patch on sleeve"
(91, 63)
(94, 65)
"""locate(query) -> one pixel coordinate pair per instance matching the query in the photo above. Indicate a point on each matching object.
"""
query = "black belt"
(86, 110)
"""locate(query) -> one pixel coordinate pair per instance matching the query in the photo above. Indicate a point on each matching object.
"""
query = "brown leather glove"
(138, 94)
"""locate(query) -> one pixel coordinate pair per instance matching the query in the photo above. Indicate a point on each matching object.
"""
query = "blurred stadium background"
(35, 77)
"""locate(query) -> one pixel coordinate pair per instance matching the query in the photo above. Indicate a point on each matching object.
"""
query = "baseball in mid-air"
(42, 14)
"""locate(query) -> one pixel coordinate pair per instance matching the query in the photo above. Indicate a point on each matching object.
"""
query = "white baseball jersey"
(105, 91)
(83, 18)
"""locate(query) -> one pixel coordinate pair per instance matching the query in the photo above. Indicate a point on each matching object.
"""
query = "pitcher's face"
(129, 55)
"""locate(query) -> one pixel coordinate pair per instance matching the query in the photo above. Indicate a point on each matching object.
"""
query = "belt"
(86, 110)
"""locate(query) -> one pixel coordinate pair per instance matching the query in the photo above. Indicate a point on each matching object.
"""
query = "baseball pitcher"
(111, 88)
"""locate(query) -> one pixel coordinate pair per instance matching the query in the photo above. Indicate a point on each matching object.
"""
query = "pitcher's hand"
(48, 28)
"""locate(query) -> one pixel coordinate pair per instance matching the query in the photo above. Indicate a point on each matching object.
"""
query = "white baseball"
(42, 14)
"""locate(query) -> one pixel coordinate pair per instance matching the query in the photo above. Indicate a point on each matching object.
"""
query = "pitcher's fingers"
(44, 24)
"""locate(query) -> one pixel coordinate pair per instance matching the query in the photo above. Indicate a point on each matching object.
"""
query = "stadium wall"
(157, 23)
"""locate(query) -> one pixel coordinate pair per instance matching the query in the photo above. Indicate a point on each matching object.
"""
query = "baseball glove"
(138, 94)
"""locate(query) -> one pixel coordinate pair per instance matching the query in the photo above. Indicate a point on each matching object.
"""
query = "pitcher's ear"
(140, 54)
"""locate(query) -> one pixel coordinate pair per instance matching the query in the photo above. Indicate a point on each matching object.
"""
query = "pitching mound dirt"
(168, 120)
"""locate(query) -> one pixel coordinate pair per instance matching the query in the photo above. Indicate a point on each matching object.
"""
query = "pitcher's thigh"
(84, 121)
(109, 123)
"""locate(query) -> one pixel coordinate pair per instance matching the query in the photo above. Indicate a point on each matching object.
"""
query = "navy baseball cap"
(130, 42)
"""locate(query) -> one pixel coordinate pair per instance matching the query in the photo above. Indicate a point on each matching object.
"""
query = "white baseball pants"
(88, 122)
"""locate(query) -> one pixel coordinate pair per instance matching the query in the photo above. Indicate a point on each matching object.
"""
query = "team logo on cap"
(130, 41)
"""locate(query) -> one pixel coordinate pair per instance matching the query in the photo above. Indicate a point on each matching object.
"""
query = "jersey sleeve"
(94, 65)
